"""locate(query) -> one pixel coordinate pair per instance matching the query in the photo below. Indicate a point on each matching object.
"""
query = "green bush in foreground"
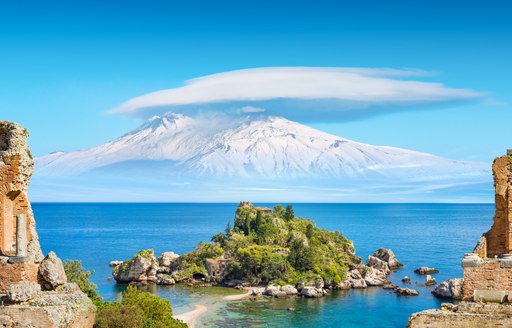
(77, 274)
(136, 310)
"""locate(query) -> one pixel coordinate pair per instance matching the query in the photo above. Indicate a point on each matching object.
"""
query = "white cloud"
(252, 109)
(306, 93)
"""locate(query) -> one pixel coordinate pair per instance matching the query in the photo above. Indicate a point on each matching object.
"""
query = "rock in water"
(389, 257)
(23, 291)
(425, 270)
(141, 268)
(378, 264)
(311, 292)
(356, 279)
(389, 285)
(406, 292)
(374, 277)
(451, 288)
(406, 280)
(51, 270)
(289, 290)
(429, 281)
(274, 291)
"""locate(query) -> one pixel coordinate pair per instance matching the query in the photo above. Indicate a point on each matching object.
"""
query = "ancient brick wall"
(499, 237)
(16, 167)
(489, 275)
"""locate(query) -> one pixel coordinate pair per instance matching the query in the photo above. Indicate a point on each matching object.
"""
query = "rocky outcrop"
(378, 264)
(141, 268)
(164, 279)
(355, 279)
(23, 272)
(374, 277)
(425, 270)
(51, 272)
(165, 259)
(451, 289)
(389, 257)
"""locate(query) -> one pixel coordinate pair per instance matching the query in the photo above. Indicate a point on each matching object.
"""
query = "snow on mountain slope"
(252, 147)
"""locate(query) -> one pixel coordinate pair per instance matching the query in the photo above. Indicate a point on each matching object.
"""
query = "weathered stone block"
(490, 296)
(23, 291)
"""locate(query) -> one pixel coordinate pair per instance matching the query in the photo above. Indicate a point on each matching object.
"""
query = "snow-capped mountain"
(253, 147)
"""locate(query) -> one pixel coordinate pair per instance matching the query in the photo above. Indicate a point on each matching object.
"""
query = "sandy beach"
(191, 317)
(237, 297)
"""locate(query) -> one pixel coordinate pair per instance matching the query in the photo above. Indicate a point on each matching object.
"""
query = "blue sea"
(435, 235)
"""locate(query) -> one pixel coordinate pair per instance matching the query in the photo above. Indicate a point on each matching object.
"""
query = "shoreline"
(191, 317)
(238, 297)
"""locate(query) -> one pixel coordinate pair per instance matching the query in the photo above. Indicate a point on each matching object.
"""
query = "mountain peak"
(252, 146)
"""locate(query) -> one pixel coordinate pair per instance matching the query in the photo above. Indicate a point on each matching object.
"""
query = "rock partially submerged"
(141, 268)
(450, 289)
(425, 270)
(376, 263)
(429, 281)
(406, 292)
(312, 292)
(389, 257)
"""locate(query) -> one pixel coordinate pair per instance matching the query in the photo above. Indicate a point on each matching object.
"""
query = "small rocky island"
(270, 248)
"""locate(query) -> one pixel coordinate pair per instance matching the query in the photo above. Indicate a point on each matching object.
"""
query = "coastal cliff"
(487, 284)
(34, 291)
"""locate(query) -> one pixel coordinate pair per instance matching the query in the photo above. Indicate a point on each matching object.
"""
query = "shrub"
(138, 310)
(117, 315)
(77, 274)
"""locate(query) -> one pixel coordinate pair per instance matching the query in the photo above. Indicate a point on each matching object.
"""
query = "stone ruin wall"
(491, 270)
(19, 246)
(498, 239)
(34, 291)
(490, 275)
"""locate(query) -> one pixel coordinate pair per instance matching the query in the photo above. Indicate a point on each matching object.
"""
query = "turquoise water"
(420, 234)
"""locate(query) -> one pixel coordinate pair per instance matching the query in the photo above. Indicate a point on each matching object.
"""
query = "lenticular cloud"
(301, 93)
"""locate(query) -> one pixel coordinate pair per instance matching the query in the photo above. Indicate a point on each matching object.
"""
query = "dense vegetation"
(266, 246)
(137, 309)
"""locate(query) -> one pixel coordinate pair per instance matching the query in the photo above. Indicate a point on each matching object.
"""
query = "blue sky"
(64, 64)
